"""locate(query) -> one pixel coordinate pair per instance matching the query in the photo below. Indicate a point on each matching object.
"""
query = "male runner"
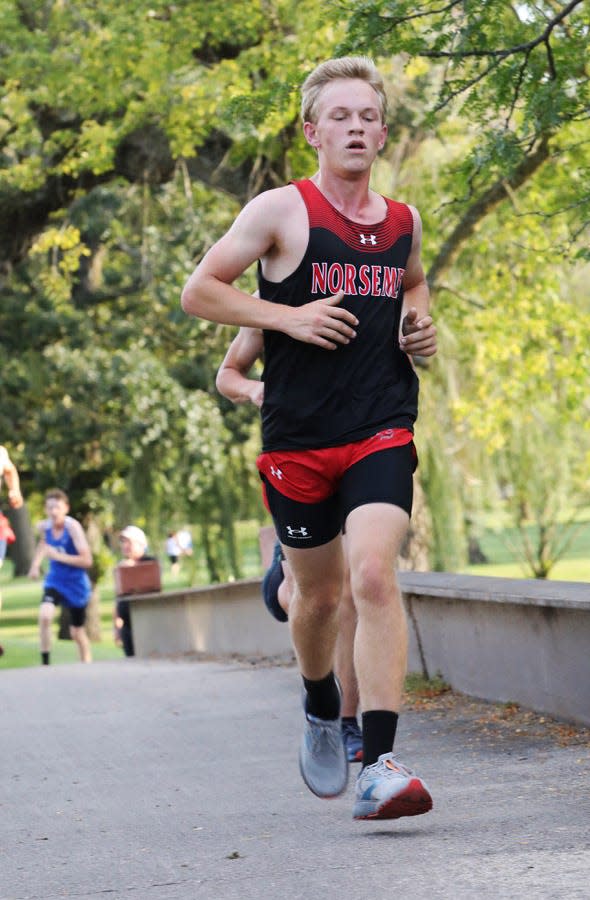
(342, 298)
(62, 541)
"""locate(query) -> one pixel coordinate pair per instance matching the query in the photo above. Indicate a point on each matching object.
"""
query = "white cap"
(135, 534)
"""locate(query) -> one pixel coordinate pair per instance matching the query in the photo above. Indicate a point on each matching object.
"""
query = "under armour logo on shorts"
(297, 532)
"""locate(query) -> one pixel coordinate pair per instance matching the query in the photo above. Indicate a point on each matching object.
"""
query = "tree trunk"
(211, 550)
(414, 554)
(21, 552)
(226, 511)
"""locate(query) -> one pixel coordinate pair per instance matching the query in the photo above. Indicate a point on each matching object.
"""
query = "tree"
(517, 74)
(526, 399)
(95, 92)
(120, 161)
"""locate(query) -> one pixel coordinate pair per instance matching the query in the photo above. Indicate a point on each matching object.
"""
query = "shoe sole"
(412, 801)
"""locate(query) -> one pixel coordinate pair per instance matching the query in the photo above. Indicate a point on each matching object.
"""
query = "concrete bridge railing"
(499, 639)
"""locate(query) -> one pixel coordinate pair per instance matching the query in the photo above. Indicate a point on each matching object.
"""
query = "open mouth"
(355, 145)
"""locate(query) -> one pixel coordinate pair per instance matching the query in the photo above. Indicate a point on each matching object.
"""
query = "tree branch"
(543, 38)
(422, 15)
(516, 92)
(467, 84)
(470, 301)
(481, 208)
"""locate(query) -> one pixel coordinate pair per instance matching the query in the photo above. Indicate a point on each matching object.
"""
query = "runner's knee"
(320, 601)
(46, 612)
(373, 583)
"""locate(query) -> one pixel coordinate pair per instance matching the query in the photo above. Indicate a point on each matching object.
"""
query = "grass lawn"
(564, 570)
(501, 546)
(19, 634)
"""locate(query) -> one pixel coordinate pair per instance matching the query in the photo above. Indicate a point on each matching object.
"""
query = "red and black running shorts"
(309, 493)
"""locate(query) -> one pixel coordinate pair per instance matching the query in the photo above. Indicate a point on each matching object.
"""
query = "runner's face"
(349, 132)
(57, 510)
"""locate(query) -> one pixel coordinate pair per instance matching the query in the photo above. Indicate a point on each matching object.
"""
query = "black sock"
(44, 658)
(323, 697)
(379, 726)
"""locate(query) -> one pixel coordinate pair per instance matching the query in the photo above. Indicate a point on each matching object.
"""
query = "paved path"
(178, 780)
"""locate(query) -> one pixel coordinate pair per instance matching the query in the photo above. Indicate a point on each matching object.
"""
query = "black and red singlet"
(324, 398)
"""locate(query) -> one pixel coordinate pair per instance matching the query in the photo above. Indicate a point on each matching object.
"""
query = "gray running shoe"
(389, 790)
(322, 757)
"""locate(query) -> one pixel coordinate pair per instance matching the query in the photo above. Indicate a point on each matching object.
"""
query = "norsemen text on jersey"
(364, 280)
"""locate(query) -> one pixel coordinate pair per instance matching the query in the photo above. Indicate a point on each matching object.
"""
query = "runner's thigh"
(303, 525)
(382, 477)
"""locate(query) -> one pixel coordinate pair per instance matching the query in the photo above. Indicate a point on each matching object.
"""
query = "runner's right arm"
(232, 377)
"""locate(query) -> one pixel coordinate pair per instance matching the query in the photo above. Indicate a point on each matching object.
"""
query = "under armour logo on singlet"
(368, 239)
(276, 472)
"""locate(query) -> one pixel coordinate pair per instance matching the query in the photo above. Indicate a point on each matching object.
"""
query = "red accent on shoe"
(414, 800)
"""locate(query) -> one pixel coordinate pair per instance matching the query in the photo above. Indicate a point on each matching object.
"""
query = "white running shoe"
(389, 790)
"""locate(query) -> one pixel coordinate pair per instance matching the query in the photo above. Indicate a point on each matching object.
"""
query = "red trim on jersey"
(309, 476)
(373, 238)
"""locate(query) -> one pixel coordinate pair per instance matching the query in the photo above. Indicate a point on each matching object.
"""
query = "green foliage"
(521, 330)
(440, 478)
(79, 78)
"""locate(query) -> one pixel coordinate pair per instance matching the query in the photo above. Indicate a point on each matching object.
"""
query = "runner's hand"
(322, 322)
(15, 498)
(256, 393)
(418, 335)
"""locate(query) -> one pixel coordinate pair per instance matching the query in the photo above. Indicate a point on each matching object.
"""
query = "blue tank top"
(70, 581)
(317, 398)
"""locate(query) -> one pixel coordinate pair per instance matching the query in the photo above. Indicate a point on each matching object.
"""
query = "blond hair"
(361, 67)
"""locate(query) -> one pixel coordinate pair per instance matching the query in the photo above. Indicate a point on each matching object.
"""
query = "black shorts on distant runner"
(77, 613)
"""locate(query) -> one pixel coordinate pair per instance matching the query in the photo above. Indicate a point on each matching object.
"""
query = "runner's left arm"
(10, 473)
(417, 331)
